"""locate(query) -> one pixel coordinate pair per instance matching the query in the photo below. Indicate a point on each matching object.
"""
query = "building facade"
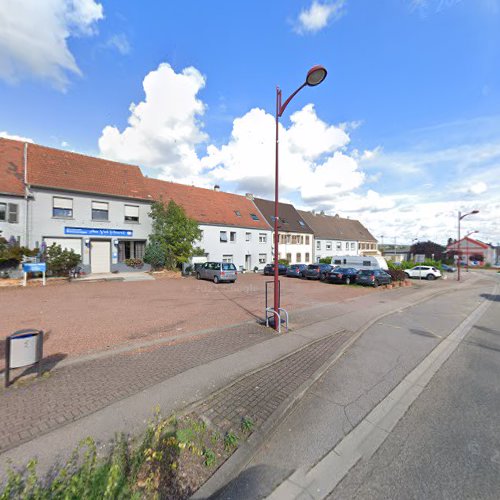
(295, 237)
(472, 252)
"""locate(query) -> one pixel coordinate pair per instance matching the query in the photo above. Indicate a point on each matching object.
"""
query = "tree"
(60, 262)
(430, 249)
(173, 236)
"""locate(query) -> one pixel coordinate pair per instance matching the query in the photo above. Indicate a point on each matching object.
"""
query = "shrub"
(397, 274)
(155, 255)
(283, 261)
(11, 254)
(325, 260)
(60, 262)
(135, 263)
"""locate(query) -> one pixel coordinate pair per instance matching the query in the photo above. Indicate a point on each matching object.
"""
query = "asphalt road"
(448, 443)
(370, 369)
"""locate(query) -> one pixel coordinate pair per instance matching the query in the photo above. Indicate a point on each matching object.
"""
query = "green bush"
(325, 260)
(11, 254)
(283, 261)
(155, 255)
(60, 262)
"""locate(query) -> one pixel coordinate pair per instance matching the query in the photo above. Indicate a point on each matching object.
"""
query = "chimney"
(249, 196)
(216, 187)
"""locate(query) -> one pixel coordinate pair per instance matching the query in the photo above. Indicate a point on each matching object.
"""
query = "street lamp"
(314, 77)
(460, 217)
(467, 248)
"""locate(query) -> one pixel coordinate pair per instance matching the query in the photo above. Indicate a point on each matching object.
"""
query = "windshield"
(228, 267)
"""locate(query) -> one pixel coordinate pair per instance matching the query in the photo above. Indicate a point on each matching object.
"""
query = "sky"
(402, 135)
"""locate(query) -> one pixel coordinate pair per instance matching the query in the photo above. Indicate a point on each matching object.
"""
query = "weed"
(210, 457)
(230, 440)
(247, 424)
(214, 437)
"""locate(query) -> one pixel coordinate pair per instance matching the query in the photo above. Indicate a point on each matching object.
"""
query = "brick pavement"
(74, 391)
(259, 394)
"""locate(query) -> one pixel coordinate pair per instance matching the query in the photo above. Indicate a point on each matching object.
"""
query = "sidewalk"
(118, 393)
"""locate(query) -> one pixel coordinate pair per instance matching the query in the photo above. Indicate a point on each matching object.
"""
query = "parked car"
(269, 269)
(423, 272)
(373, 277)
(296, 270)
(217, 272)
(342, 275)
(448, 269)
(317, 271)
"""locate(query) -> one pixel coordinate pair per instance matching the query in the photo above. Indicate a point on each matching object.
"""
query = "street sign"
(419, 258)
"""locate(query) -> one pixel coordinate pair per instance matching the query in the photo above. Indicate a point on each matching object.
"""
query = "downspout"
(26, 195)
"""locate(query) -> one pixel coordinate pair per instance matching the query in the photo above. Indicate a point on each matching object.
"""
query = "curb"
(231, 468)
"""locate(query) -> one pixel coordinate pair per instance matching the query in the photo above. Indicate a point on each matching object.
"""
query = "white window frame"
(262, 258)
(318, 245)
(62, 203)
(262, 238)
(94, 205)
(328, 245)
(223, 236)
(248, 236)
(227, 259)
(232, 236)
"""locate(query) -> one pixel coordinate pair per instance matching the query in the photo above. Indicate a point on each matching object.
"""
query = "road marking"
(365, 439)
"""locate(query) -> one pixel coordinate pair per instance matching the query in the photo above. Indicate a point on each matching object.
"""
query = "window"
(299, 258)
(227, 259)
(131, 250)
(3, 211)
(62, 207)
(338, 245)
(301, 240)
(262, 258)
(13, 213)
(262, 238)
(328, 245)
(238, 213)
(353, 245)
(301, 222)
(367, 263)
(346, 245)
(307, 257)
(307, 240)
(232, 236)
(131, 213)
(289, 257)
(223, 236)
(100, 210)
(254, 217)
(318, 245)
(248, 236)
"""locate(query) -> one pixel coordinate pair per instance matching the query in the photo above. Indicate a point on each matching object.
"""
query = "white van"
(360, 262)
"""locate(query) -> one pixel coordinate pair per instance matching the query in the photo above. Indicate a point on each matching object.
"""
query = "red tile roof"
(207, 206)
(11, 167)
(53, 168)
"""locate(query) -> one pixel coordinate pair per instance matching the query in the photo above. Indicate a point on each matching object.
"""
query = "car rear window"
(312, 266)
(228, 267)
(366, 272)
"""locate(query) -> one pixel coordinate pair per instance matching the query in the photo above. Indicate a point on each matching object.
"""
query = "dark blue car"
(269, 269)
(296, 270)
(342, 275)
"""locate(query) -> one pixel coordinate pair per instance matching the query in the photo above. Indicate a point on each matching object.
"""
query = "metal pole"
(276, 213)
(458, 247)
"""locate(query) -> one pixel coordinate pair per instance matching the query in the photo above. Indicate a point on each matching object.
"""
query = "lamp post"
(314, 77)
(460, 217)
(467, 248)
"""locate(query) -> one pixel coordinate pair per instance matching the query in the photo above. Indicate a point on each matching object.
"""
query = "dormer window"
(238, 213)
(254, 217)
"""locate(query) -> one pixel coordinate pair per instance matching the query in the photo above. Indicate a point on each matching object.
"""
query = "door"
(100, 252)
(248, 262)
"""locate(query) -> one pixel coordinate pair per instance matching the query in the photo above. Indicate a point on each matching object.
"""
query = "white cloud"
(318, 15)
(477, 187)
(164, 129)
(34, 34)
(118, 42)
(15, 137)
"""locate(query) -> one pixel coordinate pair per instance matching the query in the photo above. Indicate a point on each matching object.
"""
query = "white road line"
(365, 439)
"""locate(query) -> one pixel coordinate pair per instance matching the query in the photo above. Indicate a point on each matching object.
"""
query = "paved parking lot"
(87, 317)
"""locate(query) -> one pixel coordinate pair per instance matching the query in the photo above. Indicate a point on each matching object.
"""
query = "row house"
(295, 237)
(100, 209)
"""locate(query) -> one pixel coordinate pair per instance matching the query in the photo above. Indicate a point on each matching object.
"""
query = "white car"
(423, 272)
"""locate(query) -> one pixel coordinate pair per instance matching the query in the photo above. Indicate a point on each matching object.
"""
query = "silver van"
(217, 272)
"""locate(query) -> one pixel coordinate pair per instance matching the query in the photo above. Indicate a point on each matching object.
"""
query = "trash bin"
(23, 348)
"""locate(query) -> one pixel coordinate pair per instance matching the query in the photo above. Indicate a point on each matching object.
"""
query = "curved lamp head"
(315, 76)
(475, 212)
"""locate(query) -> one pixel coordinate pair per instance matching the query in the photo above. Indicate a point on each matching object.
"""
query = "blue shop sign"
(89, 231)
(30, 267)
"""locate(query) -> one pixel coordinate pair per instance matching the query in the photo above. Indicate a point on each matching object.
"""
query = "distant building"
(335, 235)
(473, 252)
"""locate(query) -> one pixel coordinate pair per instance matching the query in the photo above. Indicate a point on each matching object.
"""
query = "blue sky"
(403, 133)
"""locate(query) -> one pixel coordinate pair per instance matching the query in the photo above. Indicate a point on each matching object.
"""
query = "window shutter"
(131, 211)
(98, 205)
(66, 203)
(13, 213)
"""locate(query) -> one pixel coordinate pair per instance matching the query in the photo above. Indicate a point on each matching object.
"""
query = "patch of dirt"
(166, 274)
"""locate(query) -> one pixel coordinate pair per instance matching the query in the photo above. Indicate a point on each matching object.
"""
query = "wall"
(14, 229)
(43, 224)
(212, 245)
(323, 252)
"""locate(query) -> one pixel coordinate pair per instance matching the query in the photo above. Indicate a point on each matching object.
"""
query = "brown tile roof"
(11, 167)
(290, 219)
(207, 206)
(327, 227)
(53, 168)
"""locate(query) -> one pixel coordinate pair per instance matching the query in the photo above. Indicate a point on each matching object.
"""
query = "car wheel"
(375, 284)
(216, 280)
(431, 277)
(348, 281)
(322, 277)
(407, 276)
(198, 277)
